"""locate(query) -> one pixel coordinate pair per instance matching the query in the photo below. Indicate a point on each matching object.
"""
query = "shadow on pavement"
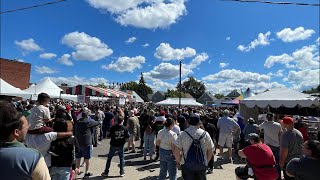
(136, 163)
(150, 167)
(132, 156)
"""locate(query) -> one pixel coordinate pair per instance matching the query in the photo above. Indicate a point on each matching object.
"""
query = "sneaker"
(229, 160)
(104, 174)
(210, 171)
(87, 175)
(122, 174)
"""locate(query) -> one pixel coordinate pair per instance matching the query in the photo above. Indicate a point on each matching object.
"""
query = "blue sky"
(228, 45)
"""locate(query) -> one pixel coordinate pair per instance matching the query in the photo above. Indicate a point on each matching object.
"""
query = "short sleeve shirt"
(37, 114)
(42, 143)
(167, 137)
(184, 141)
(304, 168)
(271, 131)
(259, 157)
(292, 140)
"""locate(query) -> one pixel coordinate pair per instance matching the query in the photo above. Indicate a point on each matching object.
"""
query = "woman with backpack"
(149, 136)
(165, 140)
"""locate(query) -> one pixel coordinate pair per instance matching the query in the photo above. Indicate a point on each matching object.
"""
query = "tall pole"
(180, 84)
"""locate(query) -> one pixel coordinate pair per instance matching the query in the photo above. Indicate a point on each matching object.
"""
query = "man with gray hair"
(227, 127)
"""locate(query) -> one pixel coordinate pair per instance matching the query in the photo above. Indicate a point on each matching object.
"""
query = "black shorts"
(242, 172)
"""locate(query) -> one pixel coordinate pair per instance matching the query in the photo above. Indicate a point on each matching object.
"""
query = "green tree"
(174, 94)
(193, 87)
(218, 96)
(312, 90)
(101, 85)
(140, 88)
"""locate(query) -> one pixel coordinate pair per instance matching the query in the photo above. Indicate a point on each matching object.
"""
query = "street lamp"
(180, 83)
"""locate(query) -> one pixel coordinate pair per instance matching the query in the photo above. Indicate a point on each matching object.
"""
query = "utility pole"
(180, 84)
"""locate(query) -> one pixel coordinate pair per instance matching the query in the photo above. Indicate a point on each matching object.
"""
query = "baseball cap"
(269, 115)
(87, 111)
(162, 113)
(251, 120)
(194, 120)
(254, 136)
(68, 107)
(287, 120)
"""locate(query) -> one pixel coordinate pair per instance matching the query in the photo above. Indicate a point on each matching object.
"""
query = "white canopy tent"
(175, 101)
(281, 97)
(45, 86)
(9, 90)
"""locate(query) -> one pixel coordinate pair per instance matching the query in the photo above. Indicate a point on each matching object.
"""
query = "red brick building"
(15, 73)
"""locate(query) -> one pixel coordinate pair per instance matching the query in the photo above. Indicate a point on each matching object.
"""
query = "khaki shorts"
(225, 140)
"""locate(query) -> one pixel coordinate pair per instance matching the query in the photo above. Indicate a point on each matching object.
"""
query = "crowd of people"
(47, 139)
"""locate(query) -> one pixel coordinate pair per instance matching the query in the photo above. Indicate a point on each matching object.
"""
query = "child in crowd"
(40, 115)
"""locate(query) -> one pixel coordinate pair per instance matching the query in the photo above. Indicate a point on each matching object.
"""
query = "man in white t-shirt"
(42, 142)
(183, 143)
(272, 132)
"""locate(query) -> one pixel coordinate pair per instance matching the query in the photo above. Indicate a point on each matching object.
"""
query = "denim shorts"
(84, 152)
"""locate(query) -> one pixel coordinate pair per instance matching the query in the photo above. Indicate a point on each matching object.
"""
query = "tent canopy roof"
(9, 90)
(95, 91)
(281, 97)
(175, 101)
(45, 86)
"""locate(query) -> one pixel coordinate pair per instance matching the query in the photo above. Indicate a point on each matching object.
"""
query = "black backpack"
(195, 159)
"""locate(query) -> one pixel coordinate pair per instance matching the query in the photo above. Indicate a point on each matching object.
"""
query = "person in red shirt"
(261, 164)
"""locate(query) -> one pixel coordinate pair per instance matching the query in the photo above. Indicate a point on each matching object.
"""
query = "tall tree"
(140, 88)
(218, 96)
(193, 87)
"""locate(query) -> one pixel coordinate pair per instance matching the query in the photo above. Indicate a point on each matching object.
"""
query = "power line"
(271, 2)
(31, 7)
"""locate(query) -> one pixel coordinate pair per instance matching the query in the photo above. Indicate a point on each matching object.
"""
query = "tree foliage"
(218, 96)
(140, 88)
(101, 85)
(174, 94)
(193, 87)
(312, 90)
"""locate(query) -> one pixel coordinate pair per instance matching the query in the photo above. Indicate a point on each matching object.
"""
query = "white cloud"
(227, 80)
(146, 45)
(64, 59)
(223, 65)
(126, 64)
(166, 71)
(131, 40)
(288, 35)
(87, 48)
(262, 40)
(160, 85)
(166, 53)
(305, 58)
(76, 80)
(237, 76)
(47, 55)
(282, 59)
(228, 38)
(28, 45)
(20, 60)
(318, 41)
(148, 14)
(303, 79)
(196, 61)
(45, 70)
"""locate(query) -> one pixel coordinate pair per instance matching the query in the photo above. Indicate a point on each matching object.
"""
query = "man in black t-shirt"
(212, 130)
(119, 136)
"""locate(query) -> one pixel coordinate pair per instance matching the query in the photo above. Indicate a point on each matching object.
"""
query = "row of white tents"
(274, 98)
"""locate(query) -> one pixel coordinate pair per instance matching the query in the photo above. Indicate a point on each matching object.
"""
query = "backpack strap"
(202, 136)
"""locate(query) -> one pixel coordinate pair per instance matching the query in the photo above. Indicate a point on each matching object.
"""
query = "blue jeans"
(60, 173)
(276, 153)
(167, 163)
(112, 151)
(148, 144)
